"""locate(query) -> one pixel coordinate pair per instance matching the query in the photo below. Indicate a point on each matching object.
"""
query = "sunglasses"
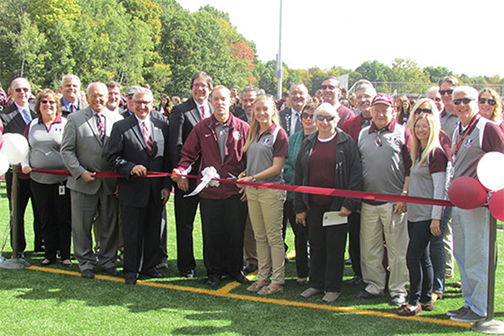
(462, 100)
(52, 102)
(21, 89)
(305, 115)
(330, 87)
(443, 92)
(422, 110)
(326, 117)
(490, 101)
(436, 99)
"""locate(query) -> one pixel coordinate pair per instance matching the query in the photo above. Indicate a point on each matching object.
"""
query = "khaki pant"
(266, 214)
(378, 221)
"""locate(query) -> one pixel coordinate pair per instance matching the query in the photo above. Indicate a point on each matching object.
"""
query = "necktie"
(101, 127)
(72, 108)
(147, 137)
(202, 112)
(26, 115)
(298, 126)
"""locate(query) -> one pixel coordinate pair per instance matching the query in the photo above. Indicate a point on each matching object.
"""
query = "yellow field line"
(224, 292)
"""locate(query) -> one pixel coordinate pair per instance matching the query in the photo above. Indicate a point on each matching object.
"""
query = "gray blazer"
(82, 149)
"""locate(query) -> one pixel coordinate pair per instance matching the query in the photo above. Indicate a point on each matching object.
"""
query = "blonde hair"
(254, 125)
(432, 142)
(497, 113)
(432, 106)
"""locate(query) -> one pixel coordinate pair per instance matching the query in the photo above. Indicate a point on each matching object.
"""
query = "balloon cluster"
(469, 193)
(13, 149)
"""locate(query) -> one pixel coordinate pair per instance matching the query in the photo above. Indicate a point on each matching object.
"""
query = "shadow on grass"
(205, 314)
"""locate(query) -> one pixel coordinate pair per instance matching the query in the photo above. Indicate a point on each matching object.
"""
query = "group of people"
(371, 148)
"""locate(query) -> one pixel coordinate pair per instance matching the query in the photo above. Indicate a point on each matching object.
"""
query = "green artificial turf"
(35, 302)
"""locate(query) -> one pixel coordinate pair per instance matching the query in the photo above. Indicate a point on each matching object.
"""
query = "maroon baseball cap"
(383, 99)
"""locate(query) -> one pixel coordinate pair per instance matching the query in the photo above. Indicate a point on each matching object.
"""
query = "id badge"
(61, 190)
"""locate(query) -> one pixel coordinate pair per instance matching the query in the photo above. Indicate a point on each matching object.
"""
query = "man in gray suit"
(82, 150)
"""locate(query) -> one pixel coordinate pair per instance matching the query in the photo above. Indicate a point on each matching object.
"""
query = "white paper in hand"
(333, 218)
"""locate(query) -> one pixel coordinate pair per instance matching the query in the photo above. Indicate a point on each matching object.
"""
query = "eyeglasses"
(422, 127)
(140, 102)
(21, 89)
(436, 99)
(52, 102)
(326, 87)
(326, 117)
(462, 100)
(490, 101)
(443, 92)
(305, 115)
(422, 110)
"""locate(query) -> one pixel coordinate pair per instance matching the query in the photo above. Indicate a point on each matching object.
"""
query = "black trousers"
(23, 195)
(54, 214)
(419, 263)
(354, 242)
(300, 239)
(223, 222)
(141, 228)
(327, 251)
(185, 211)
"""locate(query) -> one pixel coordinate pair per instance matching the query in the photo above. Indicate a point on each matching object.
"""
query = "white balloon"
(490, 171)
(15, 147)
(4, 164)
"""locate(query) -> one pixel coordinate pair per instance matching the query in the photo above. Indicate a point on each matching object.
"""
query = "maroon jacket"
(353, 127)
(202, 142)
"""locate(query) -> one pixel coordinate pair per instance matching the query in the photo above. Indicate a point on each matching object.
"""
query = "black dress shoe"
(130, 280)
(46, 263)
(187, 274)
(153, 273)
(239, 277)
(356, 280)
(112, 271)
(213, 281)
(87, 274)
(250, 268)
(366, 295)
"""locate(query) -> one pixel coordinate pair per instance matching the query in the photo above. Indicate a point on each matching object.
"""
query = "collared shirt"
(148, 123)
(68, 105)
(294, 119)
(27, 108)
(200, 109)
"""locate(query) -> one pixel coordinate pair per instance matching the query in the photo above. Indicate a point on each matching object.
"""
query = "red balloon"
(496, 204)
(467, 193)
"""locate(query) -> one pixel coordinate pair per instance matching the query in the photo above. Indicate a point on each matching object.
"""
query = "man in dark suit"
(15, 117)
(70, 89)
(114, 97)
(290, 118)
(82, 149)
(183, 118)
(139, 144)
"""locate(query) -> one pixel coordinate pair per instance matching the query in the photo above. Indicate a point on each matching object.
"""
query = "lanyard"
(467, 131)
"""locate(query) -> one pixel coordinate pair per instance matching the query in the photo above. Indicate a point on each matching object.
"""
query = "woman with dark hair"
(165, 106)
(44, 135)
(427, 179)
(328, 158)
(403, 110)
(490, 106)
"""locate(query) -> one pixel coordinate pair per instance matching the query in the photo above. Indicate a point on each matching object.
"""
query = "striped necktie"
(101, 127)
(147, 137)
(26, 115)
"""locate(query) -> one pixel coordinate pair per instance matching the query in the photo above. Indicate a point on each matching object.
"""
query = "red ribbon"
(302, 189)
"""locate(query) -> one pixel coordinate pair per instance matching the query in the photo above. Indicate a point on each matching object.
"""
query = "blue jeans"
(438, 256)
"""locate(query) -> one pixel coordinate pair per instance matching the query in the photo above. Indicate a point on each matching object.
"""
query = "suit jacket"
(65, 113)
(285, 120)
(82, 149)
(182, 119)
(127, 148)
(12, 120)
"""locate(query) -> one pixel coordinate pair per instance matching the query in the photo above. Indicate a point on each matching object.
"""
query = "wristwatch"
(254, 179)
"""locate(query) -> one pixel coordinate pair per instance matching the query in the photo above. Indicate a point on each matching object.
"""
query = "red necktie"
(147, 137)
(202, 112)
(101, 128)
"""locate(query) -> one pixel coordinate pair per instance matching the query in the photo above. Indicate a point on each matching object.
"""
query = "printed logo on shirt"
(468, 143)
(58, 129)
(266, 141)
(207, 135)
(237, 135)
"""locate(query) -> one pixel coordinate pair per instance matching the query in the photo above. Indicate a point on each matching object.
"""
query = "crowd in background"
(359, 141)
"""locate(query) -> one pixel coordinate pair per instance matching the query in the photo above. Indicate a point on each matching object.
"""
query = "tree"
(436, 73)
(408, 72)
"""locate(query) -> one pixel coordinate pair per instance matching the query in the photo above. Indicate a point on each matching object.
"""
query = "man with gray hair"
(433, 94)
(70, 89)
(139, 144)
(473, 137)
(290, 118)
(82, 149)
